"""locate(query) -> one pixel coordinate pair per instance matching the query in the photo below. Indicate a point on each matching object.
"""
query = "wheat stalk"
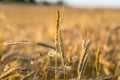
(59, 42)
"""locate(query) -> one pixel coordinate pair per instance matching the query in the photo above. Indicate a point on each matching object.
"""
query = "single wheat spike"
(59, 41)
(57, 29)
(45, 45)
(97, 61)
(15, 42)
(83, 58)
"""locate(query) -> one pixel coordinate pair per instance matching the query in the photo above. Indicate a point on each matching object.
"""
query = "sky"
(89, 3)
(93, 3)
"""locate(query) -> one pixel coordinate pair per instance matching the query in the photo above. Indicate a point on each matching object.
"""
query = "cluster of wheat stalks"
(55, 65)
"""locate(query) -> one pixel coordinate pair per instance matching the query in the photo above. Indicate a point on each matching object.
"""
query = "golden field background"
(37, 23)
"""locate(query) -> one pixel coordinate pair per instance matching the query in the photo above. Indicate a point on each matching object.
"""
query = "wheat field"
(59, 43)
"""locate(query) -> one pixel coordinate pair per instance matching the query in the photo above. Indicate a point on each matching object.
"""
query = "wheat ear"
(59, 41)
(83, 58)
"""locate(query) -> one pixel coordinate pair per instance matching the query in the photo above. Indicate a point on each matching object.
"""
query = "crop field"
(53, 42)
